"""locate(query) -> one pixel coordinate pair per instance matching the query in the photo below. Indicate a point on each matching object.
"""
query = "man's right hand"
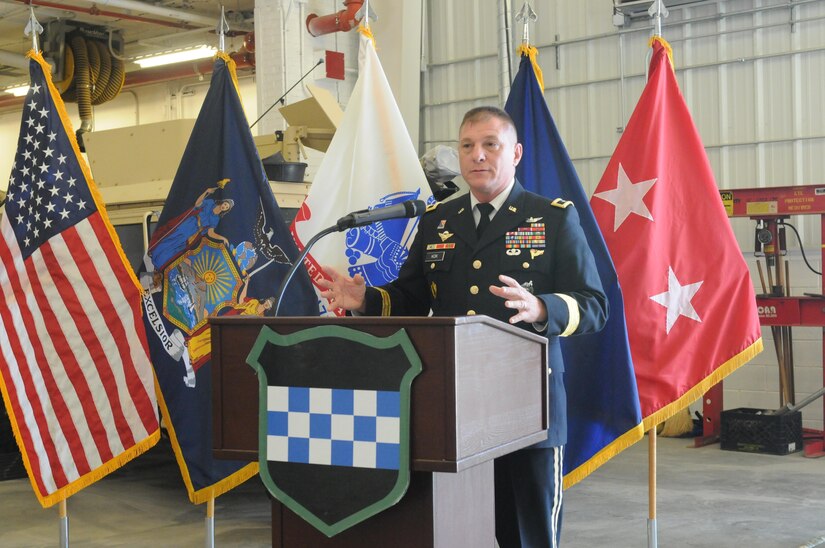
(343, 291)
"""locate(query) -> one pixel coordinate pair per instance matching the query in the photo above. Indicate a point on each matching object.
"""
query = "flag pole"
(657, 11)
(63, 512)
(525, 16)
(210, 523)
(33, 28)
(652, 532)
(223, 28)
(209, 537)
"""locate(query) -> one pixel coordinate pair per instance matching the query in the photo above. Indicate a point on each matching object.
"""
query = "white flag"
(370, 163)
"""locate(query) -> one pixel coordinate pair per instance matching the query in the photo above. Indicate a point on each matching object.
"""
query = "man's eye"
(492, 145)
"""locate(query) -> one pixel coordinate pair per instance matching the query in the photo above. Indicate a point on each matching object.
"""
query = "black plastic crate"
(761, 431)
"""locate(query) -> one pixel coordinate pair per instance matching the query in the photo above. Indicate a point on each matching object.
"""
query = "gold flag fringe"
(605, 454)
(214, 490)
(532, 53)
(704, 385)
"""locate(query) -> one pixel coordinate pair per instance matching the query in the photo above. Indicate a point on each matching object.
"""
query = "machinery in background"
(88, 65)
(771, 208)
(312, 123)
(133, 167)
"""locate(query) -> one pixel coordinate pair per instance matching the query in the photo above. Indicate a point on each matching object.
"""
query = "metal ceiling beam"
(184, 19)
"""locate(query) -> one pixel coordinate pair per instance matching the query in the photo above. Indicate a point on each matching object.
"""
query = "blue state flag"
(602, 400)
(221, 247)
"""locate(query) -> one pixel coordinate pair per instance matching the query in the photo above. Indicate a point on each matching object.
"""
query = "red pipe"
(94, 10)
(342, 21)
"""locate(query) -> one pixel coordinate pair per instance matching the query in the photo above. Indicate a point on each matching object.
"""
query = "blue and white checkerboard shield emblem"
(334, 421)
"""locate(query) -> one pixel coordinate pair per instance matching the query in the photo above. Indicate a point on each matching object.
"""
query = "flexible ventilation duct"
(92, 77)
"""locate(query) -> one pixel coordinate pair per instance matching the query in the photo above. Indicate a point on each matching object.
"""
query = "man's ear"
(518, 151)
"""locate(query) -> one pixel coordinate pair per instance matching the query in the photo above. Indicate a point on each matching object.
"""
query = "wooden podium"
(482, 394)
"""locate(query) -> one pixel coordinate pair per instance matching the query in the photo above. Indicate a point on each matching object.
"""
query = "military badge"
(446, 235)
(431, 247)
(334, 434)
(525, 237)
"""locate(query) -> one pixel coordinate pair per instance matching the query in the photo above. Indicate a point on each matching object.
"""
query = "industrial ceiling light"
(18, 91)
(176, 56)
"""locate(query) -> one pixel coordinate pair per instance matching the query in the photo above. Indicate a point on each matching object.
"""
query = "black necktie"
(485, 210)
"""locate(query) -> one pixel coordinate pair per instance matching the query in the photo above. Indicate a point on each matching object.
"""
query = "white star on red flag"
(628, 197)
(677, 300)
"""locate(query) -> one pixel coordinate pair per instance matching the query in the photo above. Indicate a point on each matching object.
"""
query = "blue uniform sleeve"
(578, 304)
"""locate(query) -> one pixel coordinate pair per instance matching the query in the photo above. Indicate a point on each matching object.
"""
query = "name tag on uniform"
(434, 256)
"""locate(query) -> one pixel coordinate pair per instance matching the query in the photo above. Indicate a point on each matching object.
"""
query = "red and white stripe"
(75, 361)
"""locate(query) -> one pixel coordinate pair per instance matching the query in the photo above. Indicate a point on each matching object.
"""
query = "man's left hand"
(528, 307)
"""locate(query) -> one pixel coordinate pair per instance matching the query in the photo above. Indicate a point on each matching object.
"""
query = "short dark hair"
(486, 112)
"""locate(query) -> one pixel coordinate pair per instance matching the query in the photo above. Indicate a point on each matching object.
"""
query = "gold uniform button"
(471, 312)
(432, 266)
(525, 265)
(476, 264)
(474, 289)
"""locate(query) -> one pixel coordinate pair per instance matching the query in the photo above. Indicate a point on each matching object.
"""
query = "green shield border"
(399, 338)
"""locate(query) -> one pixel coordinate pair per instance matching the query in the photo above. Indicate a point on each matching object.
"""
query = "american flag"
(74, 367)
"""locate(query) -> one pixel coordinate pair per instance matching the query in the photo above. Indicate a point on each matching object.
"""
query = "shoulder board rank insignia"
(432, 206)
(558, 202)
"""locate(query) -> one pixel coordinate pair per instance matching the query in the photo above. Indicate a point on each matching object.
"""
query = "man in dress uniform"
(514, 256)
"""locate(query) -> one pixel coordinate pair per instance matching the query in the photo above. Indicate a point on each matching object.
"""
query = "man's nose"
(478, 154)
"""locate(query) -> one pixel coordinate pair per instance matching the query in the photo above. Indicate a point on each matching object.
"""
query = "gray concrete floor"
(706, 498)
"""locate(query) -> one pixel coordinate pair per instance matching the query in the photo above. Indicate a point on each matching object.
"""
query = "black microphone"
(404, 210)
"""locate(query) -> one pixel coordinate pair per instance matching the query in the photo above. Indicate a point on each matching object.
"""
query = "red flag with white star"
(689, 300)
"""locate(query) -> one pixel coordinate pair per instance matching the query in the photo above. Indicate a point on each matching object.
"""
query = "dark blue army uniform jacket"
(537, 242)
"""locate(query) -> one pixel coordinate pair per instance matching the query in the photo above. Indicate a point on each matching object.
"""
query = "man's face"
(488, 154)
